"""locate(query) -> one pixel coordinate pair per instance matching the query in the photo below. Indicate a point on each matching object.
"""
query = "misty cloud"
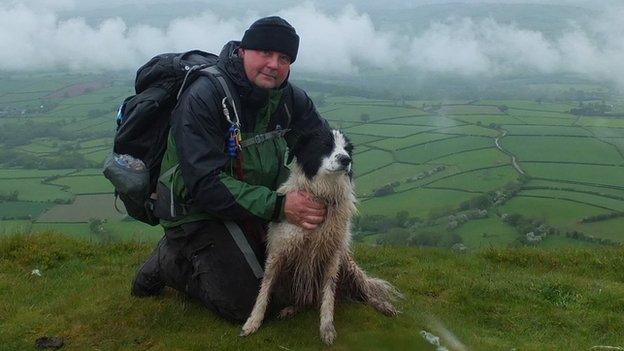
(346, 42)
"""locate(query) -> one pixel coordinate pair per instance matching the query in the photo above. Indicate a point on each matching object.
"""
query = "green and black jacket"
(204, 179)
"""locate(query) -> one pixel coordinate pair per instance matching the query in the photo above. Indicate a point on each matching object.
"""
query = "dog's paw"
(250, 327)
(288, 312)
(385, 307)
(328, 333)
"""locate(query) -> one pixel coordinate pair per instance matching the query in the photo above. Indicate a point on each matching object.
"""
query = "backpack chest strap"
(261, 138)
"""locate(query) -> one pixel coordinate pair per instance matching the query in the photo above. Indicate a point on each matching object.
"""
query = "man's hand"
(301, 210)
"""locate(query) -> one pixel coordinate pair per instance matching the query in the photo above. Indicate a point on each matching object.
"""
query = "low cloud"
(346, 42)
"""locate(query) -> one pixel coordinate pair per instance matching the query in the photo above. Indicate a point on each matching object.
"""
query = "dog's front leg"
(328, 331)
(271, 271)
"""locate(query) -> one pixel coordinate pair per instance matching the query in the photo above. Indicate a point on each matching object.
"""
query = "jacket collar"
(232, 65)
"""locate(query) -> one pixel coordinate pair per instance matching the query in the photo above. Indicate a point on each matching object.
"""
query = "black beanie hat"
(274, 34)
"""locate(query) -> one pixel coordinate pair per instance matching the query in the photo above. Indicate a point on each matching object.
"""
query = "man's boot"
(148, 280)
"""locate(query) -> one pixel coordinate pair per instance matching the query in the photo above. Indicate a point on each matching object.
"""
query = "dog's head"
(324, 152)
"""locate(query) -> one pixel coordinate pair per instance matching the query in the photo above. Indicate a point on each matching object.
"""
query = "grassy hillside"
(493, 299)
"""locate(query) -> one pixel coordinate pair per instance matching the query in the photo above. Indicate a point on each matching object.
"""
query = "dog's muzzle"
(345, 162)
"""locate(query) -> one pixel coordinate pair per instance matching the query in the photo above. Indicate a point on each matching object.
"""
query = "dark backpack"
(143, 122)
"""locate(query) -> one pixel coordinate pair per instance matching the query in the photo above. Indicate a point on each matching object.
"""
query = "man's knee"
(233, 312)
(232, 305)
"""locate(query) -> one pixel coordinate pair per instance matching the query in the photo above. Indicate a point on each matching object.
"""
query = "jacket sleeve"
(199, 130)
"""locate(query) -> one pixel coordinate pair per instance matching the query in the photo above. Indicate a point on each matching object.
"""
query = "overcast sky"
(34, 36)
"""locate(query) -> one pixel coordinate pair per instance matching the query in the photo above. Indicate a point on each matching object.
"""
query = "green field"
(417, 202)
(546, 130)
(562, 149)
(607, 176)
(86, 184)
(440, 148)
(400, 172)
(610, 229)
(387, 130)
(487, 232)
(595, 190)
(22, 209)
(478, 180)
(375, 113)
(436, 121)
(31, 189)
(393, 144)
(557, 212)
(530, 105)
(475, 159)
(83, 208)
(371, 160)
(615, 205)
(435, 155)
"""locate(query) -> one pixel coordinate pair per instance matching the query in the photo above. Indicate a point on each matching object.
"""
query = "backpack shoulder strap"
(215, 73)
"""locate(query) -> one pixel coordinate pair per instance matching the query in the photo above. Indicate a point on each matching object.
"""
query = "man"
(214, 249)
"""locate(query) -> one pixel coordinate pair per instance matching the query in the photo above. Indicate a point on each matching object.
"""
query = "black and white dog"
(313, 265)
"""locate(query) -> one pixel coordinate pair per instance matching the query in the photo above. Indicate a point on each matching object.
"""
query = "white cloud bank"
(337, 43)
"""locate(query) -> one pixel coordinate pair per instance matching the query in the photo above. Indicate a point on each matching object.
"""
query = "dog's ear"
(300, 143)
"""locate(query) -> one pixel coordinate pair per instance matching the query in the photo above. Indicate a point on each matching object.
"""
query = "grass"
(437, 121)
(610, 229)
(494, 299)
(577, 187)
(560, 213)
(487, 119)
(601, 122)
(479, 180)
(605, 175)
(86, 184)
(475, 159)
(440, 148)
(613, 204)
(607, 132)
(33, 190)
(354, 112)
(21, 209)
(418, 202)
(371, 160)
(98, 155)
(387, 130)
(546, 130)
(562, 149)
(553, 120)
(393, 144)
(13, 173)
(468, 109)
(358, 139)
(399, 171)
(469, 130)
(532, 105)
(486, 232)
(83, 208)
(10, 227)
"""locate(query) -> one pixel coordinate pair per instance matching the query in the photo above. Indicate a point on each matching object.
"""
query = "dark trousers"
(202, 260)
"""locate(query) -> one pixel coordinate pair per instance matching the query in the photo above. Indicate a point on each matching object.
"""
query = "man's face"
(265, 69)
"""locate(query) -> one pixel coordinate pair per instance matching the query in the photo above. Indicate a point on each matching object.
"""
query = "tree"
(365, 117)
(402, 218)
(395, 237)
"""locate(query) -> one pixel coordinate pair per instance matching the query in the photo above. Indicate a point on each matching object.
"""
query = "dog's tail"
(376, 292)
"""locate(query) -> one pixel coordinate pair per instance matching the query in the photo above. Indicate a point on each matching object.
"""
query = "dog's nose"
(344, 160)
